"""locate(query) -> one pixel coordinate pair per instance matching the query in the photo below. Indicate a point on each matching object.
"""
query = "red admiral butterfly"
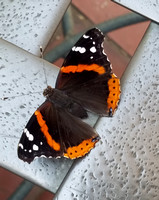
(85, 83)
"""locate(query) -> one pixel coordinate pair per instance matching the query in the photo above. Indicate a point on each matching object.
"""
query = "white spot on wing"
(21, 146)
(79, 49)
(29, 136)
(82, 50)
(91, 57)
(93, 49)
(25, 130)
(35, 147)
(85, 36)
(104, 53)
(41, 143)
(73, 48)
(102, 45)
(42, 156)
(50, 157)
(36, 157)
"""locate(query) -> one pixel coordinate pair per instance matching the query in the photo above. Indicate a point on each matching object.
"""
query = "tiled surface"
(125, 163)
(9, 182)
(26, 23)
(127, 40)
(23, 75)
(147, 8)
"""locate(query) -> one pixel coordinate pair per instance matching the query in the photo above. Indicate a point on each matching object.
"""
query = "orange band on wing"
(80, 68)
(44, 129)
(81, 149)
(114, 92)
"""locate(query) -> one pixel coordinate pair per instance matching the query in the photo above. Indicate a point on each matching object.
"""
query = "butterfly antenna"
(42, 56)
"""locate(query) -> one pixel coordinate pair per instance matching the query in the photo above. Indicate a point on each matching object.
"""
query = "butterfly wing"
(86, 75)
(37, 140)
(52, 132)
(99, 95)
(86, 56)
(78, 137)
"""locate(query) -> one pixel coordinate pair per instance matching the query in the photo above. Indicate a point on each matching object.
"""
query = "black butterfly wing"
(99, 95)
(78, 137)
(52, 132)
(85, 61)
(86, 75)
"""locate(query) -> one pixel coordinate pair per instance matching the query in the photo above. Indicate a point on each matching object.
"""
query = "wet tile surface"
(119, 45)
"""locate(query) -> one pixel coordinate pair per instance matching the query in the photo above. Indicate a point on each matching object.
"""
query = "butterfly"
(85, 83)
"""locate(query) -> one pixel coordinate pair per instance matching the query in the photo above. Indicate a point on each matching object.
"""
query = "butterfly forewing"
(86, 75)
(40, 136)
(85, 61)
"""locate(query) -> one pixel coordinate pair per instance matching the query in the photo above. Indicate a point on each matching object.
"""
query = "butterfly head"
(49, 91)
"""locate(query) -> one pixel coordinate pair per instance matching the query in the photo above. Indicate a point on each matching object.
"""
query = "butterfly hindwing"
(99, 95)
(78, 137)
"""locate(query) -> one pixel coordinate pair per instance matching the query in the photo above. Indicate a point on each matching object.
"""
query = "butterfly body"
(60, 99)
(85, 83)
